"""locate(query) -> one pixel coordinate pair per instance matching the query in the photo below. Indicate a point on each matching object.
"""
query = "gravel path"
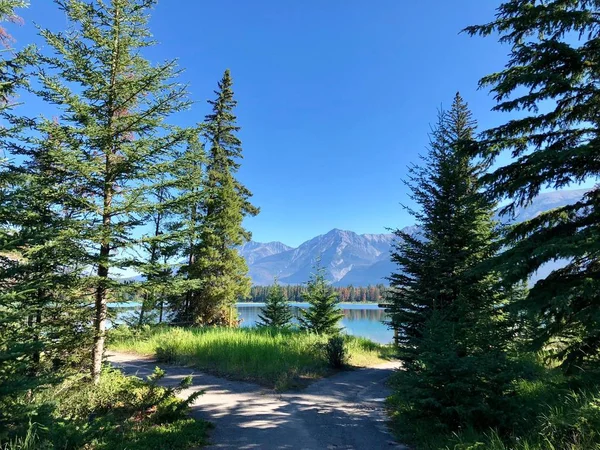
(344, 411)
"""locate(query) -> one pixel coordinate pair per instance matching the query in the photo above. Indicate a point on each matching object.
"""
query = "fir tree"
(189, 201)
(42, 329)
(43, 312)
(11, 65)
(215, 262)
(445, 309)
(455, 226)
(160, 247)
(552, 83)
(323, 315)
(112, 108)
(277, 311)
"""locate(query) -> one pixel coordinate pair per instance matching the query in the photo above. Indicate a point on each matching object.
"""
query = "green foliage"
(11, 66)
(30, 441)
(215, 261)
(323, 315)
(551, 82)
(277, 311)
(456, 230)
(455, 383)
(274, 357)
(551, 86)
(160, 246)
(166, 354)
(336, 352)
(453, 335)
(43, 324)
(76, 192)
(187, 225)
(111, 135)
(7, 8)
(13, 344)
(575, 422)
(547, 411)
(118, 413)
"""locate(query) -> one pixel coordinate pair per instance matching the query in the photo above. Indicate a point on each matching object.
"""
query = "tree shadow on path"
(345, 411)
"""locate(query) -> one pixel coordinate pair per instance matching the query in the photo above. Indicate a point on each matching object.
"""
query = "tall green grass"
(275, 358)
(28, 442)
(549, 412)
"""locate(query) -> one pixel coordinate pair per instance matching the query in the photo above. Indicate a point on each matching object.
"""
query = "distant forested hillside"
(348, 294)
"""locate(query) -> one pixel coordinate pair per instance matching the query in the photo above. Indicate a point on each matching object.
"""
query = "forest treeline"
(348, 294)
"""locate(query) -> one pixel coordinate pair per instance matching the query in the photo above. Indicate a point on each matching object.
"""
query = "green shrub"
(336, 352)
(455, 384)
(119, 332)
(166, 354)
(118, 413)
(547, 411)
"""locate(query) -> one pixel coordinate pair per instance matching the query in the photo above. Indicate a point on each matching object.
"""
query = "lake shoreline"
(360, 319)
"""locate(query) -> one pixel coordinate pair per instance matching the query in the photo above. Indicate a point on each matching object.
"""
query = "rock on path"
(345, 411)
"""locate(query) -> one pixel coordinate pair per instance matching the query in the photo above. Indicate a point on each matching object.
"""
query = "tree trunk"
(101, 289)
(108, 191)
(149, 301)
(101, 309)
(191, 261)
(36, 338)
(141, 319)
(34, 323)
(189, 294)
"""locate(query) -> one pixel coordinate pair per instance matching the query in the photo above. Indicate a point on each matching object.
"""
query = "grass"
(274, 358)
(119, 413)
(550, 412)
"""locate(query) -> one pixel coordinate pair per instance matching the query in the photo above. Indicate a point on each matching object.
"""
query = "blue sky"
(336, 97)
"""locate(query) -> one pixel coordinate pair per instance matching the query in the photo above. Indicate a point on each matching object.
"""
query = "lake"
(359, 319)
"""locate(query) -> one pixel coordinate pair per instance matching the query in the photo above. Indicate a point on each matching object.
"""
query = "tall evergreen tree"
(160, 248)
(323, 315)
(189, 201)
(445, 310)
(455, 227)
(11, 78)
(11, 67)
(112, 107)
(43, 311)
(41, 328)
(277, 311)
(215, 262)
(552, 81)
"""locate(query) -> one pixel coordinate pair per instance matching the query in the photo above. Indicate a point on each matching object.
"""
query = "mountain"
(349, 258)
(253, 251)
(357, 259)
(547, 201)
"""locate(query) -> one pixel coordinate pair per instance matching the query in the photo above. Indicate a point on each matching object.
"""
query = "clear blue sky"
(335, 96)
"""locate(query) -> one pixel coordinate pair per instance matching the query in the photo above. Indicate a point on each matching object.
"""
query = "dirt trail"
(344, 411)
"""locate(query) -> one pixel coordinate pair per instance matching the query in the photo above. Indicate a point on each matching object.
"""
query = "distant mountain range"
(351, 258)
(346, 255)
